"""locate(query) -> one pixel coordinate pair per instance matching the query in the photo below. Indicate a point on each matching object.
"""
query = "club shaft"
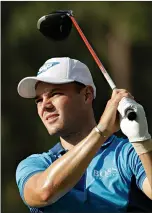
(129, 113)
(97, 60)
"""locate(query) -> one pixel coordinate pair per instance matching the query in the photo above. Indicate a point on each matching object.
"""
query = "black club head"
(56, 25)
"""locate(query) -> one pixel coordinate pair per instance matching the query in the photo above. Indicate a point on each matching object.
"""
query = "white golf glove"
(136, 130)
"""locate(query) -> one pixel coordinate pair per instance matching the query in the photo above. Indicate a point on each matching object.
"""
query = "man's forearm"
(65, 172)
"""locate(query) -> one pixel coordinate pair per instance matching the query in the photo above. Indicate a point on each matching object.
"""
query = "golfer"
(90, 170)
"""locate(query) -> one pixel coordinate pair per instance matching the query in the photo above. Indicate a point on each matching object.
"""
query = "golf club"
(57, 26)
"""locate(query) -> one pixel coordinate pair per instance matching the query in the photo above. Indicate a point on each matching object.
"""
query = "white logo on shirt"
(110, 172)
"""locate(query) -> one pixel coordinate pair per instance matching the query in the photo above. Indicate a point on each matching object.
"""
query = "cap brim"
(26, 87)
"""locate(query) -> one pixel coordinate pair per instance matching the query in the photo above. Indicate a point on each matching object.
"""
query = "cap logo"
(46, 66)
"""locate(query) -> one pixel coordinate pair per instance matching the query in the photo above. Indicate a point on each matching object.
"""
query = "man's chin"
(54, 132)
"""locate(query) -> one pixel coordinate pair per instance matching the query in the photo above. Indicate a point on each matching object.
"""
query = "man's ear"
(88, 92)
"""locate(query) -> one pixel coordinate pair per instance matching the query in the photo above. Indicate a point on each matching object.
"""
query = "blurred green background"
(121, 35)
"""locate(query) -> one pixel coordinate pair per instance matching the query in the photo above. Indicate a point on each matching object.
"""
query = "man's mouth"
(51, 117)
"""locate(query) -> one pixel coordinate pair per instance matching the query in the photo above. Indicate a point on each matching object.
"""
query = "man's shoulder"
(32, 164)
(121, 141)
(38, 158)
(121, 147)
(116, 142)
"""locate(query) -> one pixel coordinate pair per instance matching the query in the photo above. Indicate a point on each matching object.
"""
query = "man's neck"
(74, 138)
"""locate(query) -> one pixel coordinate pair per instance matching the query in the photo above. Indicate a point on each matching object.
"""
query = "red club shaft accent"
(97, 60)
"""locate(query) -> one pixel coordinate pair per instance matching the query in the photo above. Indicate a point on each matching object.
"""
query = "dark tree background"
(121, 35)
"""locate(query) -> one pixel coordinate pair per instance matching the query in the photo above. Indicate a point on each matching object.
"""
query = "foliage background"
(121, 35)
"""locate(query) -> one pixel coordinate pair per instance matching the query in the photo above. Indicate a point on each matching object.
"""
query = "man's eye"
(38, 100)
(56, 93)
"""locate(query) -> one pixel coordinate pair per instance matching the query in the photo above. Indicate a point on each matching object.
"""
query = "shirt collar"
(108, 141)
(62, 151)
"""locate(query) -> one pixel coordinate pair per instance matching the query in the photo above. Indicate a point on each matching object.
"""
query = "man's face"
(60, 107)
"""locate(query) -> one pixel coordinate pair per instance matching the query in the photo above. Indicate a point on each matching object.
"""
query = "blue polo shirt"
(111, 183)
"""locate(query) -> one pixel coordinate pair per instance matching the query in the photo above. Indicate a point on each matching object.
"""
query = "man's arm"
(47, 187)
(137, 133)
(146, 159)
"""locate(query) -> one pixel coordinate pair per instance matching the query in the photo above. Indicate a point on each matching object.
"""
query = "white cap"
(57, 71)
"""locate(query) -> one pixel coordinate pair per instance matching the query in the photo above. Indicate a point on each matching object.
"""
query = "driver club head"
(56, 25)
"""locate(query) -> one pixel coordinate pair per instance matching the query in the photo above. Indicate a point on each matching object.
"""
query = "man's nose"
(47, 102)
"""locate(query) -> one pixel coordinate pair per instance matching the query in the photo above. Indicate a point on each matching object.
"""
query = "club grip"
(130, 114)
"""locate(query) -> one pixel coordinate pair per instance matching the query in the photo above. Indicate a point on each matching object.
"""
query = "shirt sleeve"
(30, 166)
(135, 166)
